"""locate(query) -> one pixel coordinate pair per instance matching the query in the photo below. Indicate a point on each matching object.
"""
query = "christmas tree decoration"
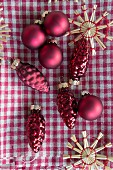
(3, 31)
(89, 28)
(89, 107)
(56, 23)
(30, 76)
(50, 55)
(79, 61)
(67, 105)
(35, 128)
(33, 36)
(88, 157)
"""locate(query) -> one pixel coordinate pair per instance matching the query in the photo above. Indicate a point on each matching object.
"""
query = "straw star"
(88, 155)
(89, 28)
(3, 32)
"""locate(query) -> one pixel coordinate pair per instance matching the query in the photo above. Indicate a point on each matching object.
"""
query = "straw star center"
(88, 28)
(88, 156)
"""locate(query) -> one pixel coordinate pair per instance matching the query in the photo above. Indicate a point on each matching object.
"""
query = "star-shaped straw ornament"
(89, 28)
(3, 32)
(88, 155)
(62, 0)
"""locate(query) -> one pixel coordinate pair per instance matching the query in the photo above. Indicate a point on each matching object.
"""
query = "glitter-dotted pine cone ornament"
(67, 105)
(30, 75)
(89, 28)
(3, 31)
(79, 61)
(88, 157)
(35, 128)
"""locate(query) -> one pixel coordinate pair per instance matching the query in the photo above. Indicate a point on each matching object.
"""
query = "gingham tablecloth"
(15, 98)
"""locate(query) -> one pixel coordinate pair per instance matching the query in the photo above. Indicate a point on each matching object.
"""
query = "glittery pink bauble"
(56, 23)
(50, 56)
(90, 107)
(35, 129)
(33, 36)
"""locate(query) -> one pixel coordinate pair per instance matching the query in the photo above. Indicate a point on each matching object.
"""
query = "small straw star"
(89, 28)
(3, 32)
(88, 156)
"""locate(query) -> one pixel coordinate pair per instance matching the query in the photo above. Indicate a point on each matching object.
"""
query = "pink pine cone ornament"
(79, 61)
(35, 128)
(30, 76)
(67, 105)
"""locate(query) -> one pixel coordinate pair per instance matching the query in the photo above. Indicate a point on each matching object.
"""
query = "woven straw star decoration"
(89, 28)
(88, 155)
(3, 32)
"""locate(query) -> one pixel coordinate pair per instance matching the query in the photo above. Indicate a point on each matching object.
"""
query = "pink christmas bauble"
(56, 23)
(90, 107)
(33, 36)
(50, 56)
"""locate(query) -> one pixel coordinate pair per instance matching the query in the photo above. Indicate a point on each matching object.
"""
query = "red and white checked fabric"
(15, 98)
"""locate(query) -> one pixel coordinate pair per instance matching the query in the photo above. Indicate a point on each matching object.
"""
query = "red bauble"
(67, 105)
(30, 76)
(79, 61)
(56, 23)
(90, 107)
(35, 128)
(33, 36)
(50, 56)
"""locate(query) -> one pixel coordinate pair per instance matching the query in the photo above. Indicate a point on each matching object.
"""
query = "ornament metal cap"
(84, 92)
(53, 41)
(15, 63)
(35, 107)
(45, 13)
(38, 22)
(63, 85)
(74, 82)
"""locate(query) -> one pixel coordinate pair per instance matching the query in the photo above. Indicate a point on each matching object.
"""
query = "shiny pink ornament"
(33, 36)
(30, 76)
(67, 105)
(56, 23)
(50, 56)
(35, 128)
(90, 107)
(79, 61)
